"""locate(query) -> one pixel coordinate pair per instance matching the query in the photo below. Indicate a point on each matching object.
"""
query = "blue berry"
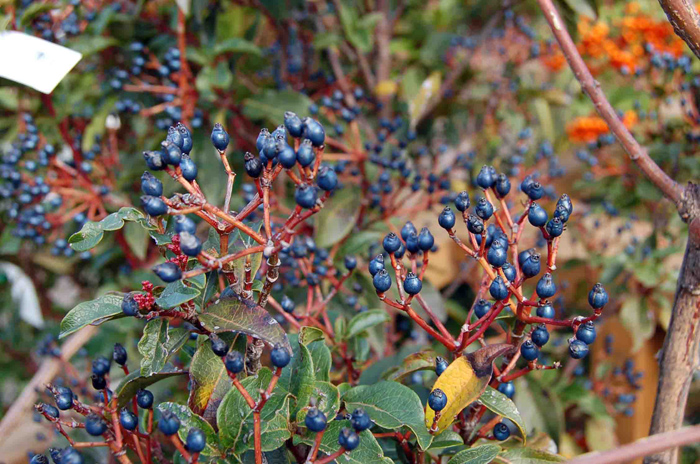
(219, 137)
(168, 272)
(481, 308)
(305, 153)
(546, 287)
(100, 366)
(425, 239)
(129, 305)
(437, 400)
(509, 271)
(440, 365)
(190, 244)
(483, 208)
(376, 264)
(293, 124)
(144, 399)
(597, 297)
(196, 440)
(348, 439)
(253, 166)
(119, 354)
(279, 356)
(315, 420)
(189, 168)
(507, 388)
(540, 336)
(535, 191)
(154, 160)
(305, 196)
(154, 206)
(381, 281)
(184, 224)
(150, 185)
(360, 420)
(546, 311)
(498, 289)
(502, 186)
(313, 131)
(128, 419)
(407, 229)
(531, 266)
(462, 201)
(286, 155)
(497, 254)
(98, 382)
(578, 349)
(412, 284)
(486, 179)
(218, 346)
(501, 431)
(476, 226)
(447, 218)
(586, 333)
(234, 362)
(529, 351)
(64, 401)
(537, 216)
(350, 262)
(391, 243)
(554, 227)
(287, 304)
(94, 425)
(169, 423)
(171, 153)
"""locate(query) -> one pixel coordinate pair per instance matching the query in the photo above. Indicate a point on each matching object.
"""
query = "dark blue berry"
(190, 244)
(412, 284)
(184, 224)
(546, 287)
(100, 366)
(447, 219)
(293, 124)
(218, 346)
(119, 354)
(475, 225)
(529, 351)
(498, 289)
(144, 398)
(313, 131)
(219, 137)
(196, 440)
(154, 206)
(462, 201)
(501, 431)
(350, 262)
(597, 297)
(586, 333)
(315, 420)
(440, 365)
(437, 400)
(169, 423)
(481, 308)
(306, 154)
(234, 362)
(168, 272)
(537, 216)
(95, 425)
(348, 439)
(483, 208)
(507, 388)
(578, 349)
(540, 336)
(128, 419)
(129, 305)
(546, 311)
(486, 179)
(154, 160)
(531, 266)
(509, 271)
(497, 254)
(253, 166)
(502, 186)
(150, 185)
(407, 229)
(376, 264)
(305, 196)
(287, 304)
(98, 382)
(189, 168)
(391, 243)
(279, 356)
(381, 281)
(425, 239)
(360, 420)
(554, 227)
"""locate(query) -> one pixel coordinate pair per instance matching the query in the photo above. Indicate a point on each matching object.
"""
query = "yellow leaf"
(386, 88)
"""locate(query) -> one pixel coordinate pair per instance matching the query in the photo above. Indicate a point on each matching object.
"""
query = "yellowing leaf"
(386, 88)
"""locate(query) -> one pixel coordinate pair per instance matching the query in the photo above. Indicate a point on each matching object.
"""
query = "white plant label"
(34, 62)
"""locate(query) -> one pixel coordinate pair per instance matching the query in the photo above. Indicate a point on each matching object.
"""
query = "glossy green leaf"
(366, 320)
(92, 232)
(158, 344)
(235, 314)
(483, 454)
(94, 312)
(303, 378)
(326, 397)
(236, 45)
(338, 217)
(189, 420)
(135, 381)
(500, 404)
(446, 439)
(392, 406)
(421, 361)
(176, 293)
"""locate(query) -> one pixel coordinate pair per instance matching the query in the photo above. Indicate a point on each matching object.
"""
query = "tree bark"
(685, 21)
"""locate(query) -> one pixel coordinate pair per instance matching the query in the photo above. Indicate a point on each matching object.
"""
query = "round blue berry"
(412, 284)
(168, 272)
(540, 336)
(95, 425)
(196, 440)
(507, 388)
(144, 398)
(447, 218)
(586, 332)
(315, 420)
(529, 351)
(169, 423)
(498, 289)
(597, 297)
(501, 431)
(381, 281)
(348, 439)
(279, 356)
(440, 365)
(578, 349)
(359, 419)
(234, 362)
(537, 216)
(437, 400)
(219, 137)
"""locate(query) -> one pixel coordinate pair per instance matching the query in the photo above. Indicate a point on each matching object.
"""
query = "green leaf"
(326, 397)
(338, 217)
(367, 452)
(235, 314)
(391, 405)
(303, 378)
(421, 361)
(33, 10)
(175, 294)
(209, 379)
(270, 105)
(189, 420)
(235, 417)
(429, 89)
(483, 454)
(94, 312)
(135, 381)
(530, 456)
(137, 238)
(500, 404)
(158, 344)
(237, 45)
(446, 439)
(366, 320)
(92, 232)
(88, 45)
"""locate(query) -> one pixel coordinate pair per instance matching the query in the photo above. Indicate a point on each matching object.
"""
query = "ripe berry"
(498, 289)
(190, 244)
(189, 168)
(446, 218)
(128, 419)
(540, 336)
(100, 366)
(169, 423)
(536, 191)
(502, 186)
(253, 166)
(293, 124)
(129, 305)
(509, 271)
(546, 287)
(462, 201)
(486, 179)
(381, 281)
(313, 130)
(171, 153)
(546, 311)
(150, 185)
(425, 239)
(279, 356)
(554, 227)
(507, 388)
(565, 202)
(476, 226)
(287, 304)
(360, 420)
(286, 155)
(407, 229)
(483, 208)
(562, 213)
(219, 137)
(94, 425)
(391, 243)
(531, 266)
(437, 400)
(350, 262)
(144, 398)
(98, 382)
(412, 244)
(578, 349)
(481, 308)
(440, 365)
(153, 206)
(184, 224)
(39, 459)
(49, 410)
(501, 431)
(234, 362)
(327, 178)
(119, 354)
(154, 160)
(537, 216)
(348, 439)
(218, 346)
(586, 333)
(64, 401)
(376, 264)
(168, 272)
(305, 154)
(497, 254)
(315, 420)
(597, 297)
(196, 440)
(412, 284)
(529, 351)
(305, 196)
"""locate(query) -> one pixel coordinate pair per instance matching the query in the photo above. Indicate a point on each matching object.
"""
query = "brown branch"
(677, 361)
(685, 21)
(642, 447)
